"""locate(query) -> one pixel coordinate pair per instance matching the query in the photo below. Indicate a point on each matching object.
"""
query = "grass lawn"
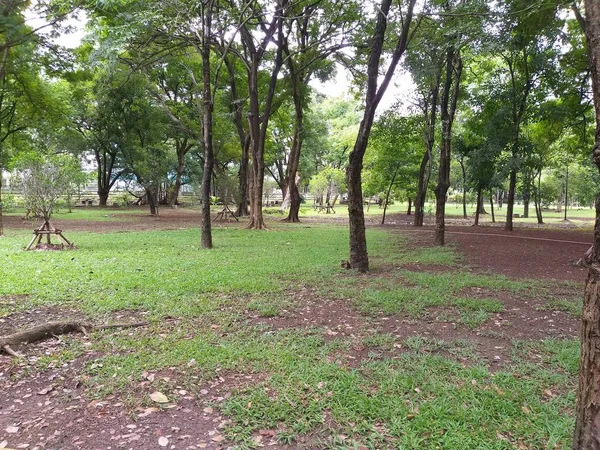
(235, 309)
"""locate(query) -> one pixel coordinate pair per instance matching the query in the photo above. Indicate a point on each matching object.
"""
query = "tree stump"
(47, 230)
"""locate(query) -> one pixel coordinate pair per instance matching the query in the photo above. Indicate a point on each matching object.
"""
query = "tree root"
(51, 329)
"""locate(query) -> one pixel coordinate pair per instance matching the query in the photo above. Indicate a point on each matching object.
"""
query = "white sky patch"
(75, 22)
(400, 89)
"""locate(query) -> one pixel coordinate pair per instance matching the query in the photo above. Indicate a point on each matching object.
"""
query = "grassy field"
(210, 313)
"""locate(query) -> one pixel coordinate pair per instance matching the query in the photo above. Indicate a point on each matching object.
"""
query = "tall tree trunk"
(477, 209)
(587, 427)
(152, 197)
(492, 206)
(447, 111)
(242, 209)
(1, 205)
(421, 192)
(464, 196)
(236, 108)
(510, 203)
(430, 112)
(174, 197)
(359, 259)
(409, 211)
(387, 195)
(538, 200)
(258, 123)
(526, 198)
(207, 125)
(294, 159)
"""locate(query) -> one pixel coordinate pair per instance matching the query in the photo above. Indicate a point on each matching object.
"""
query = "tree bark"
(421, 192)
(103, 196)
(447, 111)
(526, 197)
(387, 195)
(510, 203)
(359, 258)
(207, 125)
(492, 206)
(152, 196)
(242, 209)
(587, 427)
(477, 209)
(480, 205)
(409, 211)
(1, 205)
(464, 196)
(430, 113)
(258, 124)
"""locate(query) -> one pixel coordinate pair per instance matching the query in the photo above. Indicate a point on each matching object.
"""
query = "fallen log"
(51, 329)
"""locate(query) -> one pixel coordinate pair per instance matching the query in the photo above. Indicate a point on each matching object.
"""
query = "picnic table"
(327, 208)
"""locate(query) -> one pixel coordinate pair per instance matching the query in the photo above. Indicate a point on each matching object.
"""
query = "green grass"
(417, 393)
(580, 217)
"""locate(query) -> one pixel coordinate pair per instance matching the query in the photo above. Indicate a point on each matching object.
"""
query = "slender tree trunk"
(387, 195)
(174, 197)
(236, 108)
(526, 197)
(538, 199)
(587, 427)
(464, 197)
(409, 211)
(242, 209)
(258, 123)
(421, 192)
(294, 159)
(477, 209)
(1, 206)
(447, 110)
(567, 193)
(492, 206)
(207, 124)
(511, 200)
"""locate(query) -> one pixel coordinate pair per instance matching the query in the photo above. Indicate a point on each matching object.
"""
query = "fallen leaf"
(208, 410)
(3, 444)
(163, 441)
(12, 430)
(159, 397)
(218, 438)
(46, 390)
(270, 433)
(148, 411)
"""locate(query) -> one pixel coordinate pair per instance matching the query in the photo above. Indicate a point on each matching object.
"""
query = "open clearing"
(266, 341)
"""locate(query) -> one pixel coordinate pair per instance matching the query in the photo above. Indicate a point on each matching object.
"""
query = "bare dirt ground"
(51, 409)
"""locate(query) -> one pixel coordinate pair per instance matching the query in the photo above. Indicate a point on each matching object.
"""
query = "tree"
(45, 179)
(359, 259)
(587, 427)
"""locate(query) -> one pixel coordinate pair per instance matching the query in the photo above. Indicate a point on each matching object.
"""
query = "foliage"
(45, 179)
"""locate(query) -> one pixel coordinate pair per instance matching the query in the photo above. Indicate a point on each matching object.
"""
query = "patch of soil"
(524, 253)
(336, 317)
(53, 410)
